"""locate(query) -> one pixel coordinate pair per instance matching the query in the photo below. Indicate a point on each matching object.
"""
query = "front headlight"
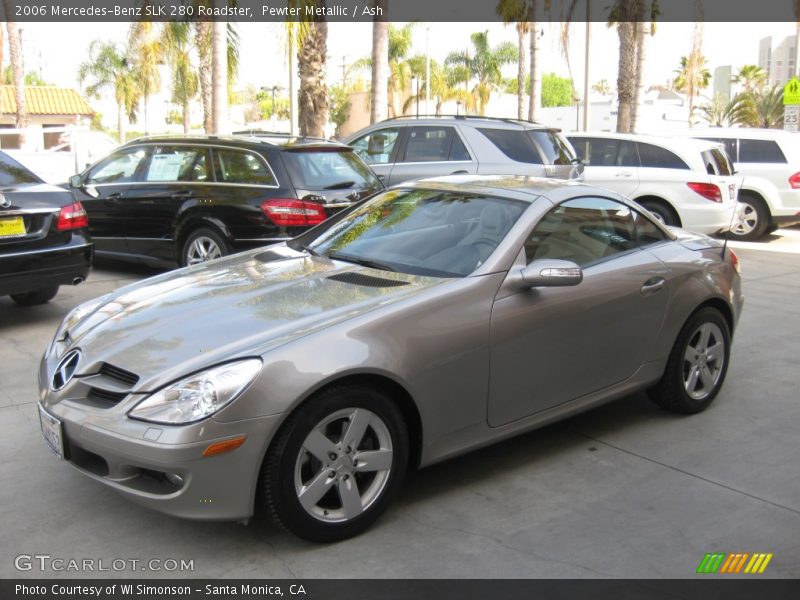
(199, 395)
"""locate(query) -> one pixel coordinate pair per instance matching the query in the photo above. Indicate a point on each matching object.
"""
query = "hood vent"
(101, 398)
(366, 280)
(120, 375)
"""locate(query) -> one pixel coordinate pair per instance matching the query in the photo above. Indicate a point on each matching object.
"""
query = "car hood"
(243, 305)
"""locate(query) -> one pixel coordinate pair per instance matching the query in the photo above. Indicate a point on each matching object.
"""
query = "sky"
(263, 59)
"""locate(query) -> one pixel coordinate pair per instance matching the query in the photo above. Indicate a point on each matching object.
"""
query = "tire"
(290, 469)
(771, 229)
(754, 219)
(692, 378)
(202, 245)
(662, 212)
(42, 296)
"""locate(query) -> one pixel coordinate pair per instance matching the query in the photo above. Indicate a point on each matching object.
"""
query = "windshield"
(422, 232)
(318, 170)
(12, 173)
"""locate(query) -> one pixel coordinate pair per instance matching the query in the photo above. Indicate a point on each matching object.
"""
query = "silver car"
(306, 378)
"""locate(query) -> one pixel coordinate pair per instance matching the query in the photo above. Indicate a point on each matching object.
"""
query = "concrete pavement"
(623, 491)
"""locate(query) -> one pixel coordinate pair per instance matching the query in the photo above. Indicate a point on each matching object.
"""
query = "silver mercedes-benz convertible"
(307, 378)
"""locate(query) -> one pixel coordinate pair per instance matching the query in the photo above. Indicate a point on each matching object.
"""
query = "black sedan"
(44, 236)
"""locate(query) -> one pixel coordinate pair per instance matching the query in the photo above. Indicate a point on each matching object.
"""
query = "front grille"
(121, 375)
(366, 280)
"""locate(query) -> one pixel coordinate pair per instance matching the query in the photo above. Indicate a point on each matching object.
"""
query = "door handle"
(182, 194)
(623, 174)
(653, 285)
(115, 197)
(462, 172)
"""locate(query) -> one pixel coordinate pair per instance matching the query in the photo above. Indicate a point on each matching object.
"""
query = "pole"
(292, 94)
(427, 71)
(273, 107)
(586, 67)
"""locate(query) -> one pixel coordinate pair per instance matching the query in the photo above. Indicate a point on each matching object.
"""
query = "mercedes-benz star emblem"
(4, 202)
(65, 370)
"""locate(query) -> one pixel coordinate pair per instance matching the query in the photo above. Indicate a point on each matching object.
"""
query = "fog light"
(174, 479)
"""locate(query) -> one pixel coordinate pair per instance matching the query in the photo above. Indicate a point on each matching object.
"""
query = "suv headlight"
(198, 396)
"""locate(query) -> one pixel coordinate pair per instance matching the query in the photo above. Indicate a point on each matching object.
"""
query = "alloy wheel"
(703, 361)
(201, 250)
(747, 220)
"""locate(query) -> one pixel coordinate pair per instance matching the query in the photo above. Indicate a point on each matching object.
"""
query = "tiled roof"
(45, 100)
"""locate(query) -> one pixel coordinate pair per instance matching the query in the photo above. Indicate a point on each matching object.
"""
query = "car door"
(431, 151)
(379, 150)
(174, 175)
(553, 345)
(103, 190)
(609, 163)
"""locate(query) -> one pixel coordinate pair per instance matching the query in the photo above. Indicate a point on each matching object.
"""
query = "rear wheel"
(202, 245)
(753, 219)
(36, 297)
(336, 463)
(697, 364)
(662, 212)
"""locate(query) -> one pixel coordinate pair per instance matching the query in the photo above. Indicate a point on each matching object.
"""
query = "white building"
(776, 57)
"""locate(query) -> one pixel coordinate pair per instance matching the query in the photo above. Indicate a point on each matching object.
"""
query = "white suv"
(769, 160)
(687, 183)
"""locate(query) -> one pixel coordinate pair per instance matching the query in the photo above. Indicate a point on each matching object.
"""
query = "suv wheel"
(202, 245)
(662, 212)
(753, 219)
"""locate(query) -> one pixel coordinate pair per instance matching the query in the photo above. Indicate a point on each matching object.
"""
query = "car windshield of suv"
(322, 169)
(556, 151)
(13, 173)
(422, 232)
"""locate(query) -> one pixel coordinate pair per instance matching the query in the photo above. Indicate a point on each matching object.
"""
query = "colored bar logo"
(735, 562)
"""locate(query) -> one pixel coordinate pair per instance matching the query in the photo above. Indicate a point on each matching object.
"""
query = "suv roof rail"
(278, 134)
(466, 117)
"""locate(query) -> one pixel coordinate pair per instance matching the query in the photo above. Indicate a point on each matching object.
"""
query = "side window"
(458, 151)
(120, 167)
(585, 230)
(514, 143)
(760, 151)
(376, 147)
(730, 146)
(239, 166)
(604, 152)
(553, 146)
(655, 156)
(177, 163)
(428, 144)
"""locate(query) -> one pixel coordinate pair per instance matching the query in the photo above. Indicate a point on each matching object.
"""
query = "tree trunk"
(15, 57)
(121, 120)
(625, 76)
(521, 34)
(380, 67)
(535, 100)
(203, 43)
(638, 84)
(312, 58)
(219, 74)
(187, 114)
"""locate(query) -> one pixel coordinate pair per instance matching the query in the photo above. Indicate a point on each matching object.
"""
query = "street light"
(272, 89)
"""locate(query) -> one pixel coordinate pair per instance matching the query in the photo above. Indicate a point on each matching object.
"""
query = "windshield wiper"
(360, 261)
(309, 249)
(341, 185)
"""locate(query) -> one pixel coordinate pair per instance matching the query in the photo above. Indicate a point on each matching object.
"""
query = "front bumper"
(135, 457)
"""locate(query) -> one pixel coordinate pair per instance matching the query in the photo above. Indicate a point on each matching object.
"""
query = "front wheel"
(697, 364)
(662, 212)
(336, 463)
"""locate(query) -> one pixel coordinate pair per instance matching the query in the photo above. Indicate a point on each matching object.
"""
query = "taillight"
(72, 217)
(734, 261)
(794, 181)
(709, 191)
(293, 213)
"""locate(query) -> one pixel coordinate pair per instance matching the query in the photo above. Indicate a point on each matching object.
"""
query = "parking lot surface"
(625, 490)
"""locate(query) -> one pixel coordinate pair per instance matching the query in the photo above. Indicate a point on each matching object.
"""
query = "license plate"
(11, 227)
(53, 432)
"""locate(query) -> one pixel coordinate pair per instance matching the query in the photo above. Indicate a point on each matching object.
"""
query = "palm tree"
(752, 78)
(219, 76)
(516, 12)
(691, 78)
(144, 44)
(764, 108)
(444, 86)
(15, 57)
(641, 31)
(177, 44)
(484, 65)
(311, 40)
(723, 112)
(202, 41)
(379, 108)
(109, 68)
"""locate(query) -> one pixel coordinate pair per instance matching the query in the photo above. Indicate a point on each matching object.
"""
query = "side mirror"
(75, 181)
(550, 272)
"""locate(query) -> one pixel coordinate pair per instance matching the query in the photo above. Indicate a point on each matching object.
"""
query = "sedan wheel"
(697, 364)
(201, 246)
(335, 463)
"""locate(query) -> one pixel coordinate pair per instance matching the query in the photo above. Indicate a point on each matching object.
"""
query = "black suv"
(161, 200)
